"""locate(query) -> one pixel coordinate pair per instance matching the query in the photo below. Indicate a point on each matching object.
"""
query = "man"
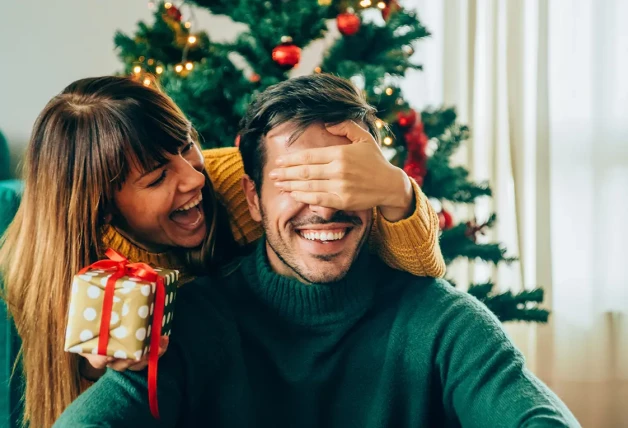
(310, 330)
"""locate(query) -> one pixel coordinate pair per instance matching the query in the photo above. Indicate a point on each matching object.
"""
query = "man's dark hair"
(302, 101)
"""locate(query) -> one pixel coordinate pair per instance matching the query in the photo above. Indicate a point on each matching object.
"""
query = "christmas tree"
(214, 82)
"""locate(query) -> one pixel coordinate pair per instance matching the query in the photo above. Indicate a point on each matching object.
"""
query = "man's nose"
(323, 212)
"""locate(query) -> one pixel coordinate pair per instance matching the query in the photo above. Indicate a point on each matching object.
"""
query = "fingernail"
(274, 174)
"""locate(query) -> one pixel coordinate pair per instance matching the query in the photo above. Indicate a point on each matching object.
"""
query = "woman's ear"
(252, 198)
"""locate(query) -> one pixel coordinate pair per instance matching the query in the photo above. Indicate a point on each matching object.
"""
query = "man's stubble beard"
(281, 250)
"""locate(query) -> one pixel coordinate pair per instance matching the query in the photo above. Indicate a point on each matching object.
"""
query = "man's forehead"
(314, 136)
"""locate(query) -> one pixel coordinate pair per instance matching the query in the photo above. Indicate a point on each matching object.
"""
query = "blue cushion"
(10, 387)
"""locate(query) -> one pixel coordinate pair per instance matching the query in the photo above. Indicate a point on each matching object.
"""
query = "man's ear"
(252, 198)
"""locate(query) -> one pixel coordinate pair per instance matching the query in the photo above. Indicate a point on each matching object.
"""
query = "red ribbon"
(146, 273)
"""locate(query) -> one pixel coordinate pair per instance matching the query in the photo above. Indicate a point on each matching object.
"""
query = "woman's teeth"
(191, 204)
(324, 236)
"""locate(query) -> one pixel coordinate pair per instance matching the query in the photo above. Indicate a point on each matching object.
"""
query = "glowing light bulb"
(159, 69)
(168, 5)
(192, 40)
(189, 66)
(381, 5)
(187, 24)
(379, 124)
(178, 68)
(147, 82)
(137, 69)
(388, 141)
(365, 3)
(389, 91)
(317, 70)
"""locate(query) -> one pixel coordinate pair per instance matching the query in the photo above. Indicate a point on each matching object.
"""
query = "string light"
(159, 69)
(178, 68)
(168, 5)
(365, 3)
(151, 61)
(141, 59)
(147, 82)
(192, 40)
(137, 69)
(388, 141)
(379, 124)
(187, 24)
(317, 70)
(189, 66)
(389, 91)
(381, 5)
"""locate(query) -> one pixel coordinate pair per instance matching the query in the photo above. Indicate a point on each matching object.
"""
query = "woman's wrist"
(89, 372)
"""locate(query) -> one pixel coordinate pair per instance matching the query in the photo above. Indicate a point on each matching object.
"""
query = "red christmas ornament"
(255, 78)
(406, 119)
(416, 140)
(174, 13)
(287, 54)
(348, 23)
(391, 7)
(445, 220)
(415, 169)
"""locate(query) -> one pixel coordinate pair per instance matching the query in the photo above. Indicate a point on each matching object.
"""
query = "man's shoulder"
(427, 299)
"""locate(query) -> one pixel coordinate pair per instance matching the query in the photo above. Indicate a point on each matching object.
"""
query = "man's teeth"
(191, 204)
(324, 236)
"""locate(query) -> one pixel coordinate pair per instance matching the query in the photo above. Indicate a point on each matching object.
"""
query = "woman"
(112, 163)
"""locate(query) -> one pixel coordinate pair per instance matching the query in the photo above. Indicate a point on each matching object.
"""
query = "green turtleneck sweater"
(380, 348)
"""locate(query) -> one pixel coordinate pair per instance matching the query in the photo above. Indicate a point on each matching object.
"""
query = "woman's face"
(162, 207)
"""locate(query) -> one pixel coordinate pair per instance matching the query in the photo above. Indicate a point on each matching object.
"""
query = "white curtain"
(544, 86)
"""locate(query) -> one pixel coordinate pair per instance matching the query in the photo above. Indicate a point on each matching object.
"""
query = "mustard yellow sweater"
(410, 244)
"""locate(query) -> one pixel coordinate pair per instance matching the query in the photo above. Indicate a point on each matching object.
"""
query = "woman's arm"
(410, 244)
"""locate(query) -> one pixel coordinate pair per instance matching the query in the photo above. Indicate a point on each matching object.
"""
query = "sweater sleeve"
(410, 245)
(484, 379)
(195, 353)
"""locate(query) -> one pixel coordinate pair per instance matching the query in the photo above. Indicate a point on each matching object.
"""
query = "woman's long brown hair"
(80, 152)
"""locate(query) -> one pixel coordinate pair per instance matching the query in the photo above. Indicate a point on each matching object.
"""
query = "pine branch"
(508, 306)
(456, 243)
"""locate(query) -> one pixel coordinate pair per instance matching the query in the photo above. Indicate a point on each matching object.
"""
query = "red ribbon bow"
(146, 273)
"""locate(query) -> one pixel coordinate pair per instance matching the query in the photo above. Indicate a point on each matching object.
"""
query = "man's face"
(311, 243)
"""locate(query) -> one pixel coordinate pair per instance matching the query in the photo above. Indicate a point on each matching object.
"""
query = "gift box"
(130, 310)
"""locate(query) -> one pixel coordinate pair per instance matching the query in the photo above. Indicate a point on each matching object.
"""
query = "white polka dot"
(75, 286)
(134, 279)
(123, 290)
(125, 309)
(128, 284)
(148, 332)
(104, 279)
(93, 273)
(72, 309)
(140, 334)
(163, 321)
(90, 314)
(152, 306)
(93, 292)
(169, 315)
(138, 355)
(143, 311)
(116, 299)
(166, 301)
(115, 318)
(171, 298)
(119, 354)
(120, 332)
(145, 290)
(86, 335)
(85, 277)
(97, 271)
(76, 349)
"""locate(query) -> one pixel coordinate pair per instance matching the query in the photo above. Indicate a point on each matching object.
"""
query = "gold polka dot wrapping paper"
(131, 313)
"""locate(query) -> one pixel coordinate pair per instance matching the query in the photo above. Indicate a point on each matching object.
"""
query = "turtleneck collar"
(311, 304)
